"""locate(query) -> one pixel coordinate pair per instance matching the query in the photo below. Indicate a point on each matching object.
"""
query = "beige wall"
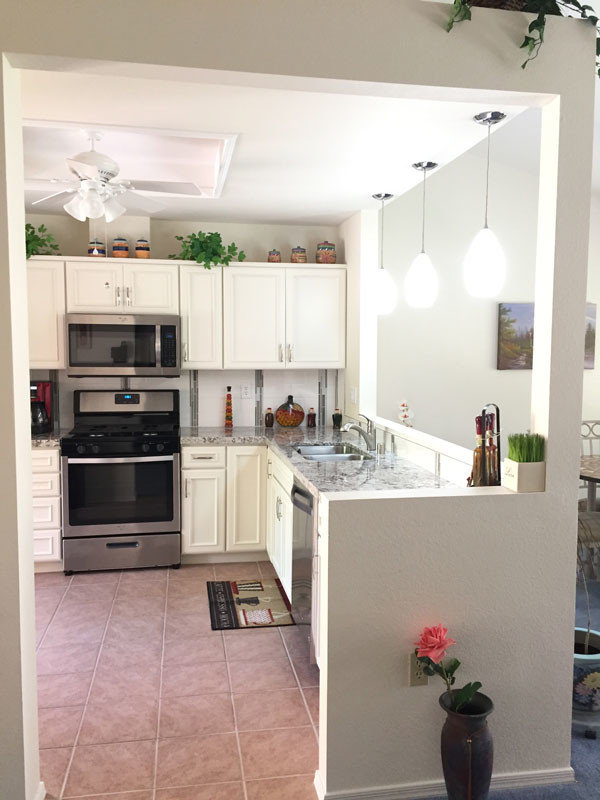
(415, 56)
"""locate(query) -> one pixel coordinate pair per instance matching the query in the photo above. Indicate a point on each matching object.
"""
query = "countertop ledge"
(386, 473)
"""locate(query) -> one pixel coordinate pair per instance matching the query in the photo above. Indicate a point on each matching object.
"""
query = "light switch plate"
(245, 392)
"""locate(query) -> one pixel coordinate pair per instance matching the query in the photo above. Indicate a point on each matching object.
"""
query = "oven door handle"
(134, 460)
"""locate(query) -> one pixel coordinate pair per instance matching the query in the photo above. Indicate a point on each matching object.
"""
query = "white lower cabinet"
(245, 498)
(280, 512)
(203, 511)
(47, 525)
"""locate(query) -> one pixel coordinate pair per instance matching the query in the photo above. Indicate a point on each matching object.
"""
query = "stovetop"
(100, 431)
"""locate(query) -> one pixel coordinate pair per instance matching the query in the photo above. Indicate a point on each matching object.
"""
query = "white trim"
(41, 791)
(423, 789)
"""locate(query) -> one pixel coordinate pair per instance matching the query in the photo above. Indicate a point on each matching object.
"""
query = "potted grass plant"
(525, 468)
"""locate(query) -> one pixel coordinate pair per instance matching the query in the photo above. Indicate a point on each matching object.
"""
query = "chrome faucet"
(369, 435)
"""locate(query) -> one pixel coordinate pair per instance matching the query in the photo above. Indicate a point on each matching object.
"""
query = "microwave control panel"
(168, 346)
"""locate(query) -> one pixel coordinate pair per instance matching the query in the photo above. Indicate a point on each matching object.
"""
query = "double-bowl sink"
(331, 452)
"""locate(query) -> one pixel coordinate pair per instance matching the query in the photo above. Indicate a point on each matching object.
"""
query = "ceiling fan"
(95, 191)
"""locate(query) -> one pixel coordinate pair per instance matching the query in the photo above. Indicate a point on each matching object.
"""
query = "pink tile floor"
(140, 700)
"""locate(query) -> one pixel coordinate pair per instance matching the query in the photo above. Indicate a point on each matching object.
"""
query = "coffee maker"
(40, 395)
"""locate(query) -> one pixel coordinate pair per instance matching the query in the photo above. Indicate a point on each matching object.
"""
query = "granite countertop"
(46, 439)
(388, 472)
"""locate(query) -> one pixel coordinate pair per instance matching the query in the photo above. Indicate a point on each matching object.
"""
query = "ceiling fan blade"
(47, 184)
(50, 196)
(168, 187)
(82, 170)
(134, 200)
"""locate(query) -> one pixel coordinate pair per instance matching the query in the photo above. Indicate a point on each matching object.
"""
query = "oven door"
(120, 496)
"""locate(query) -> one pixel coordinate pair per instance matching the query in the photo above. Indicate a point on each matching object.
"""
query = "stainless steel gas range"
(120, 473)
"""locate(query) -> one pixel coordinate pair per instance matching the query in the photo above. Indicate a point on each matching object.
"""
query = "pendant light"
(421, 283)
(484, 268)
(386, 292)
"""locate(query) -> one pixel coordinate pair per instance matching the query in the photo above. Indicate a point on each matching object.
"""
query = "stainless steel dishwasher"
(302, 551)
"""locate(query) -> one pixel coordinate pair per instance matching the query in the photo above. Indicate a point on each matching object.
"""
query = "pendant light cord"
(423, 220)
(381, 235)
(487, 175)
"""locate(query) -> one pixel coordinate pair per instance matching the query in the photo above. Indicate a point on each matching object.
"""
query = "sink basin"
(331, 452)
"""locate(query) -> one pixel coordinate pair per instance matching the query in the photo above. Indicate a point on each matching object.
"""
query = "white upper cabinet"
(315, 318)
(46, 293)
(254, 318)
(98, 286)
(94, 287)
(201, 301)
(151, 288)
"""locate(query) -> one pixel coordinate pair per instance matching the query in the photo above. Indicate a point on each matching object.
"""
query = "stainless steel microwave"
(140, 345)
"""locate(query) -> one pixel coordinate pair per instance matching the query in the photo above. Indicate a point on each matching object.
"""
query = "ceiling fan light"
(75, 208)
(484, 268)
(421, 283)
(113, 209)
(93, 205)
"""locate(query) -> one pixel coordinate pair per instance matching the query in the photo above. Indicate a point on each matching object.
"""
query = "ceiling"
(299, 157)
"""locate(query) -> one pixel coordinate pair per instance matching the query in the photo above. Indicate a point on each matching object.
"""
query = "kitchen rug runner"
(248, 604)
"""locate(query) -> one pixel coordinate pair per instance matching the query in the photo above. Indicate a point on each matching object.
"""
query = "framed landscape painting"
(515, 336)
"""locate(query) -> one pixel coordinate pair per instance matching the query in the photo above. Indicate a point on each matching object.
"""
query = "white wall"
(442, 360)
(71, 235)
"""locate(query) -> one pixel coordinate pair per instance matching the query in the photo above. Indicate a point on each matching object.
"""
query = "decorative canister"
(298, 255)
(289, 414)
(142, 248)
(96, 249)
(120, 247)
(274, 257)
(325, 253)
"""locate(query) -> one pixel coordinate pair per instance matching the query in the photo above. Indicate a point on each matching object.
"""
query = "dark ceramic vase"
(467, 748)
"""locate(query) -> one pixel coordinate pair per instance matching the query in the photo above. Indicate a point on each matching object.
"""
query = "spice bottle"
(475, 478)
(491, 451)
(337, 419)
(228, 409)
(311, 418)
(269, 418)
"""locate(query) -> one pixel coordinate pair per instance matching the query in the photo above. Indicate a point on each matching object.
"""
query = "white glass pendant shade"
(75, 208)
(421, 283)
(113, 209)
(386, 292)
(484, 268)
(93, 205)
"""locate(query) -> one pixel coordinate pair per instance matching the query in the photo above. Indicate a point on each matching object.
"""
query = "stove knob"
(160, 447)
(145, 448)
(95, 448)
(80, 449)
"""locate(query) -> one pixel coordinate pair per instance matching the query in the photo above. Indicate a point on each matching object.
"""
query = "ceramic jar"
(142, 248)
(120, 248)
(96, 249)
(325, 253)
(274, 257)
(289, 414)
(298, 255)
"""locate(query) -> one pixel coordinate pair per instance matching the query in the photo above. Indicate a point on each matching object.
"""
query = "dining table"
(589, 471)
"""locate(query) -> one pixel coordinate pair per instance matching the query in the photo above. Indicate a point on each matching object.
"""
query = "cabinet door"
(203, 511)
(201, 299)
(285, 511)
(254, 317)
(316, 318)
(246, 498)
(94, 285)
(151, 288)
(46, 545)
(272, 539)
(46, 293)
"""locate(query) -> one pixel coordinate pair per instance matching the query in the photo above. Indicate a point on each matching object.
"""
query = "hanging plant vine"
(534, 38)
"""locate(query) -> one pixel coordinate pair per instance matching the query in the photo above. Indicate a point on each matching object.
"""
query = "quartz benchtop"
(46, 439)
(385, 473)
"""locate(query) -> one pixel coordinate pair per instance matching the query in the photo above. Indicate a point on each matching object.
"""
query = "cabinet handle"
(128, 295)
(281, 352)
(185, 358)
(185, 485)
(203, 458)
(289, 353)
(277, 507)
(117, 295)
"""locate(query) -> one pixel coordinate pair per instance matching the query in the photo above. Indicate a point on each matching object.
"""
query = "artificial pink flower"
(433, 643)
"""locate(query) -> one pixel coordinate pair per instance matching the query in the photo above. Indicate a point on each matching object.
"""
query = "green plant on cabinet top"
(534, 38)
(207, 249)
(39, 242)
